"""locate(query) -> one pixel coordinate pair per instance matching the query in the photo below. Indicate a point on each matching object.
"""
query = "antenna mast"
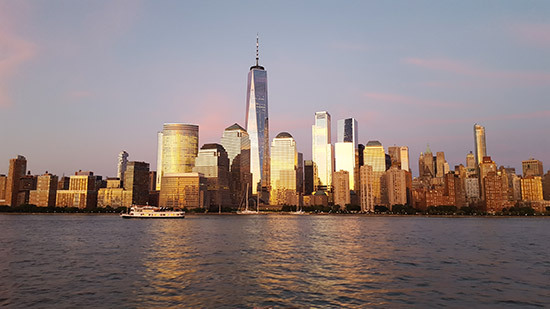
(257, 49)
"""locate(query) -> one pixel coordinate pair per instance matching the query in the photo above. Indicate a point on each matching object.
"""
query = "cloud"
(14, 52)
(533, 34)
(405, 100)
(462, 68)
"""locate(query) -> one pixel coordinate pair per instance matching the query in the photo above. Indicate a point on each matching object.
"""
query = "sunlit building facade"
(479, 143)
(184, 190)
(213, 163)
(257, 126)
(284, 165)
(46, 189)
(531, 188)
(532, 167)
(345, 148)
(366, 195)
(375, 156)
(322, 150)
(17, 170)
(122, 163)
(400, 155)
(177, 149)
(341, 188)
(396, 184)
(82, 192)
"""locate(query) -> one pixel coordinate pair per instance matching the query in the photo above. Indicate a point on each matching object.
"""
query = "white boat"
(151, 212)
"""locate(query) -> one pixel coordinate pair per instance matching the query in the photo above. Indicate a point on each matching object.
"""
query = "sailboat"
(247, 211)
(298, 211)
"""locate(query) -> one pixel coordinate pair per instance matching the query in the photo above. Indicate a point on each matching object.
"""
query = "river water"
(273, 261)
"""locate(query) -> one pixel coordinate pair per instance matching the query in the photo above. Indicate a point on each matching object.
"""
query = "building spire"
(257, 49)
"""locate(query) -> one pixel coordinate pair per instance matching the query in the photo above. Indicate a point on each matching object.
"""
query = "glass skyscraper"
(284, 168)
(375, 156)
(257, 125)
(322, 150)
(178, 146)
(480, 145)
(344, 149)
(236, 142)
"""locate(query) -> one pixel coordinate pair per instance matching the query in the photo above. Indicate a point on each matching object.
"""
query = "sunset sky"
(81, 81)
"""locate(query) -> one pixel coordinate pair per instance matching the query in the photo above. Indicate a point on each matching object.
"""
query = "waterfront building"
(46, 190)
(375, 156)
(152, 181)
(82, 192)
(495, 192)
(396, 186)
(284, 165)
(17, 170)
(341, 188)
(122, 163)
(310, 174)
(472, 190)
(300, 174)
(479, 143)
(236, 142)
(531, 188)
(184, 190)
(213, 163)
(257, 126)
(63, 183)
(485, 167)
(3, 181)
(136, 182)
(359, 161)
(344, 157)
(177, 149)
(532, 167)
(546, 186)
(367, 196)
(322, 153)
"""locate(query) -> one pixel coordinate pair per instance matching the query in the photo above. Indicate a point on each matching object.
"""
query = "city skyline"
(73, 95)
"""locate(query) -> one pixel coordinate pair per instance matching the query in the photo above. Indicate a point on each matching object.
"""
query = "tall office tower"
(441, 165)
(366, 196)
(470, 161)
(46, 190)
(495, 192)
(177, 149)
(375, 156)
(284, 165)
(18, 168)
(345, 148)
(152, 180)
(322, 150)
(184, 190)
(426, 166)
(485, 167)
(396, 184)
(136, 182)
(400, 155)
(300, 174)
(310, 173)
(213, 163)
(340, 185)
(480, 144)
(257, 125)
(236, 142)
(532, 167)
(357, 172)
(122, 163)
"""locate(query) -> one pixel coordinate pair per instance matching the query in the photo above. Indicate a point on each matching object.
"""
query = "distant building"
(284, 166)
(122, 163)
(178, 145)
(46, 190)
(396, 184)
(495, 192)
(375, 156)
(135, 189)
(426, 164)
(400, 155)
(485, 167)
(17, 170)
(442, 167)
(184, 190)
(367, 196)
(546, 186)
(479, 143)
(341, 188)
(532, 167)
(213, 163)
(310, 173)
(3, 181)
(531, 188)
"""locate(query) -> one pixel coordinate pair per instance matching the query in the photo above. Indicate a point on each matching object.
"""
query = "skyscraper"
(177, 148)
(236, 142)
(18, 168)
(322, 150)
(532, 167)
(284, 166)
(400, 155)
(213, 163)
(375, 156)
(344, 149)
(480, 144)
(122, 162)
(257, 125)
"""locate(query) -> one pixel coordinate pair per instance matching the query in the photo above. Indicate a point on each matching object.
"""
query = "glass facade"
(322, 150)
(375, 156)
(480, 145)
(236, 142)
(347, 131)
(257, 126)
(178, 148)
(284, 165)
(344, 154)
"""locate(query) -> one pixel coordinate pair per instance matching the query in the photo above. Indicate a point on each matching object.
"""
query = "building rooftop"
(213, 146)
(235, 127)
(374, 143)
(284, 135)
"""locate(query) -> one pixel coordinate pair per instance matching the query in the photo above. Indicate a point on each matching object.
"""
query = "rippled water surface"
(273, 261)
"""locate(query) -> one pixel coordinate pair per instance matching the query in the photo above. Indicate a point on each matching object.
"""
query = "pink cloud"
(399, 99)
(461, 68)
(15, 51)
(534, 34)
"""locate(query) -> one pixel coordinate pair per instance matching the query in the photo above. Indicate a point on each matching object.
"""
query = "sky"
(80, 81)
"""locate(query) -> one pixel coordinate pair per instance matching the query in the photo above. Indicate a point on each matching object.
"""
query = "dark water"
(280, 261)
